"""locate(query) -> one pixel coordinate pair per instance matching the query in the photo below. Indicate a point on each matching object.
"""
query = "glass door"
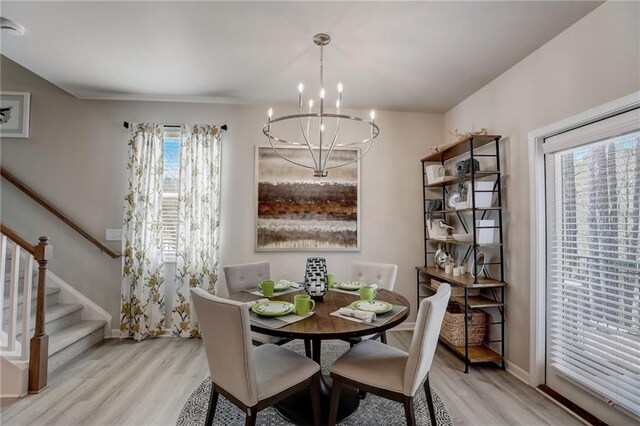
(593, 267)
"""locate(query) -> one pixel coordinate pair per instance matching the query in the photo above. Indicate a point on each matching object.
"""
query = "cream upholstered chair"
(251, 378)
(382, 274)
(247, 276)
(383, 370)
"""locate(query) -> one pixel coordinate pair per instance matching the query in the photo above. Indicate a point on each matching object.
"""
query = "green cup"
(303, 304)
(331, 280)
(367, 292)
(267, 287)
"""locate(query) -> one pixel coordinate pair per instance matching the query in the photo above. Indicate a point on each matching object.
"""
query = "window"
(171, 179)
(593, 266)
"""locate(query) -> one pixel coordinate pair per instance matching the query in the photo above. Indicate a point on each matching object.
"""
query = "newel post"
(39, 345)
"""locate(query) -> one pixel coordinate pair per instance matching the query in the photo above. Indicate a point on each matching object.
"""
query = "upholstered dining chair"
(251, 378)
(247, 276)
(382, 274)
(383, 370)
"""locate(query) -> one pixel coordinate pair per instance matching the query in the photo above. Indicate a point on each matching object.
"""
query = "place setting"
(278, 314)
(269, 288)
(368, 309)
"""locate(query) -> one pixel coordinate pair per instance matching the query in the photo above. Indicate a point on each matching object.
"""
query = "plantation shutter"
(593, 268)
(170, 223)
(171, 179)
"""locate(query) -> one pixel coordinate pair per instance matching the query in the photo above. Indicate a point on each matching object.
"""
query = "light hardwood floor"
(146, 383)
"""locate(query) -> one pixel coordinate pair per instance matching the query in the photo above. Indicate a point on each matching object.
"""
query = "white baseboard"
(517, 372)
(90, 311)
(115, 334)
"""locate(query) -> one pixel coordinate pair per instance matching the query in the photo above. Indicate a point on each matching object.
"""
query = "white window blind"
(593, 284)
(171, 178)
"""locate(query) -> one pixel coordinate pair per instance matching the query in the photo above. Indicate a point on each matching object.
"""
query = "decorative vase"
(315, 277)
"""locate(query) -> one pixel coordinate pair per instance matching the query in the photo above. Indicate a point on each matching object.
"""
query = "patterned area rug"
(373, 410)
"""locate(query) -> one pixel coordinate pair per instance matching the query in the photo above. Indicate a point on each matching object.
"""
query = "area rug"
(373, 410)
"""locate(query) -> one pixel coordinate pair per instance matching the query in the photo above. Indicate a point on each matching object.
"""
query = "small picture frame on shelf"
(483, 199)
(434, 231)
(435, 173)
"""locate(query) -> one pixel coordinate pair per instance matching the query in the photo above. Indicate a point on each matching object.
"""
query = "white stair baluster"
(26, 308)
(13, 298)
(3, 271)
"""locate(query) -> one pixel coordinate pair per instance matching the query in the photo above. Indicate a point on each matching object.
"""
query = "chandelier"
(322, 147)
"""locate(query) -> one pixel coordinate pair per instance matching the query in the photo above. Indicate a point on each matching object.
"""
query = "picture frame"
(14, 119)
(295, 211)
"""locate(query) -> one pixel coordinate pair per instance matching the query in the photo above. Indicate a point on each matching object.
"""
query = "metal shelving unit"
(493, 299)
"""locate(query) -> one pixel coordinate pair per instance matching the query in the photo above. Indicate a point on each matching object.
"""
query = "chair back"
(425, 338)
(383, 274)
(224, 325)
(246, 276)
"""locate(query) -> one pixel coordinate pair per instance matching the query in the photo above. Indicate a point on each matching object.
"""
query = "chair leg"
(251, 418)
(408, 411)
(307, 348)
(432, 411)
(213, 402)
(351, 344)
(383, 337)
(335, 400)
(315, 399)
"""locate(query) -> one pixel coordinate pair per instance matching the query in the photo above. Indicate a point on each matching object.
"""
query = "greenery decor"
(434, 206)
(463, 168)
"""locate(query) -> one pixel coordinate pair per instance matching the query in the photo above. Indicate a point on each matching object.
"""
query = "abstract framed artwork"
(14, 114)
(298, 212)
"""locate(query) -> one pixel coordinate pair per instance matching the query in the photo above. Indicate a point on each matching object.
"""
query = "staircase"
(69, 334)
(72, 324)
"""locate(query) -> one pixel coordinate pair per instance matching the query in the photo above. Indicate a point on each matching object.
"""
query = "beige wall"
(76, 157)
(593, 62)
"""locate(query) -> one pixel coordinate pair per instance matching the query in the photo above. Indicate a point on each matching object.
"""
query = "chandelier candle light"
(322, 148)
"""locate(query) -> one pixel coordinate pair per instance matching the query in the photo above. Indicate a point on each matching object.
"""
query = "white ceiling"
(409, 56)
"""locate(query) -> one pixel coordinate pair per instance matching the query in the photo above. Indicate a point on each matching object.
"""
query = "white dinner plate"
(375, 306)
(351, 285)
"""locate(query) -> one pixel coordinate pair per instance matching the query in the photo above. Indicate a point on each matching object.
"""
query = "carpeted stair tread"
(49, 291)
(67, 336)
(56, 312)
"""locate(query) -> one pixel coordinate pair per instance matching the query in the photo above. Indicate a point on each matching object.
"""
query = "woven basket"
(457, 291)
(453, 325)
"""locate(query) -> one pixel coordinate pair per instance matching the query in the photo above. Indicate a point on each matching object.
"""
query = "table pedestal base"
(297, 408)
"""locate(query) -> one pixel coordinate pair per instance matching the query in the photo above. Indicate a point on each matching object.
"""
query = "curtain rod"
(223, 127)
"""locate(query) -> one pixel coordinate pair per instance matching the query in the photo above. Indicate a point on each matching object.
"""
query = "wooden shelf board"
(465, 280)
(452, 180)
(427, 286)
(461, 147)
(477, 353)
(464, 243)
(467, 210)
(478, 302)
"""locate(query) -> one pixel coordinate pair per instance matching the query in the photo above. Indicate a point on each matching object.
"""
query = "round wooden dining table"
(323, 326)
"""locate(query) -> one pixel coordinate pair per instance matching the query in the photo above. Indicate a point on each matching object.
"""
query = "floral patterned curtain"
(198, 223)
(142, 309)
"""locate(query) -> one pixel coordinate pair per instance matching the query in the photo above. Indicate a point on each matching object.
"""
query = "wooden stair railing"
(39, 343)
(10, 177)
